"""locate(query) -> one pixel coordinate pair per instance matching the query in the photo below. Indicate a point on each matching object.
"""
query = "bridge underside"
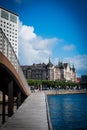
(10, 85)
(12, 81)
(5, 79)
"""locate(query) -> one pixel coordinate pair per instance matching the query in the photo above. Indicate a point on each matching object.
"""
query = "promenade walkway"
(30, 116)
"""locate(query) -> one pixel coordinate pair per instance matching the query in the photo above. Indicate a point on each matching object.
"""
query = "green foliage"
(32, 82)
(52, 84)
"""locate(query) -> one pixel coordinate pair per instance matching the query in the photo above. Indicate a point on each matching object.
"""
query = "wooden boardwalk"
(30, 116)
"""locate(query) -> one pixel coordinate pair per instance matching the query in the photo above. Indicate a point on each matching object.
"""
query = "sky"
(52, 28)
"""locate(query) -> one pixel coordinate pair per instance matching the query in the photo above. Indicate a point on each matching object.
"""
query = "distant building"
(9, 25)
(78, 79)
(83, 81)
(62, 71)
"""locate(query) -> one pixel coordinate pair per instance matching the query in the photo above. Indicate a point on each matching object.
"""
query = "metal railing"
(8, 51)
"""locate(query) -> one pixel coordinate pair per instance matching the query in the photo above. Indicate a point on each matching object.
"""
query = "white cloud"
(69, 47)
(80, 62)
(33, 48)
(36, 49)
(26, 32)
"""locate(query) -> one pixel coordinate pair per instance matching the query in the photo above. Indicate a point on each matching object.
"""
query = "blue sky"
(55, 28)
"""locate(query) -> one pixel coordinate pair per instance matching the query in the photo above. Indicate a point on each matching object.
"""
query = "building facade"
(9, 25)
(62, 71)
(83, 82)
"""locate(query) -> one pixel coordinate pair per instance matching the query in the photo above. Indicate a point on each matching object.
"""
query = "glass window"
(4, 14)
(13, 18)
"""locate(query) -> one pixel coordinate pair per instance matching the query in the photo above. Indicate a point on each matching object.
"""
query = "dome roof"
(49, 64)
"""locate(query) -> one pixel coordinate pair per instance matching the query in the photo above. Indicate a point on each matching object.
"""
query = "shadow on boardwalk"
(30, 116)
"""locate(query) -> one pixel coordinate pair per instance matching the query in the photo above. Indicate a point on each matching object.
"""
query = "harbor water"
(68, 111)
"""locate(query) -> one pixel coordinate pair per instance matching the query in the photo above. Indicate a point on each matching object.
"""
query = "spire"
(49, 60)
(59, 62)
(49, 63)
(73, 67)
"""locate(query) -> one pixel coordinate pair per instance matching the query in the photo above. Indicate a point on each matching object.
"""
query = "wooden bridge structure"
(12, 81)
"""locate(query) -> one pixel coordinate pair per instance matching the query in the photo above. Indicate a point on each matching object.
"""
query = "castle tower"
(50, 70)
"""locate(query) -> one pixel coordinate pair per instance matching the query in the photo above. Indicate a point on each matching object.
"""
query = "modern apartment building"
(9, 25)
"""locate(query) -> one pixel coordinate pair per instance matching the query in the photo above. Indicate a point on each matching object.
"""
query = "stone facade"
(62, 71)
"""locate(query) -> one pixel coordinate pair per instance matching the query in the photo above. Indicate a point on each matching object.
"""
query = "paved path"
(30, 116)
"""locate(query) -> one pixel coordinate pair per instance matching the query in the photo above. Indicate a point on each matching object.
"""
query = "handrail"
(8, 51)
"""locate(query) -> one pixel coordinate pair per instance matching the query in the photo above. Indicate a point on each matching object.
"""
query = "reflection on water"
(68, 112)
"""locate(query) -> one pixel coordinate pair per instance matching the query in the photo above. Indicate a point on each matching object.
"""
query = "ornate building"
(62, 71)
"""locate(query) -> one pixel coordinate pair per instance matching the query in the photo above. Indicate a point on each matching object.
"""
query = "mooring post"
(10, 99)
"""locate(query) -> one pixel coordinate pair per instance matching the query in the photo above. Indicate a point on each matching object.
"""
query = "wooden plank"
(31, 115)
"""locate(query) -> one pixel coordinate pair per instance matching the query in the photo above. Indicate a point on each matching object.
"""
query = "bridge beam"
(3, 108)
(10, 99)
(18, 99)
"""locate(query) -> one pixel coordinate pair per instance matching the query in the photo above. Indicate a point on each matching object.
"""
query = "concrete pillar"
(10, 99)
(18, 99)
(3, 108)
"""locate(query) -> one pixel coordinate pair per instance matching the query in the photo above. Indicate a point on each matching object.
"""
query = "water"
(68, 112)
